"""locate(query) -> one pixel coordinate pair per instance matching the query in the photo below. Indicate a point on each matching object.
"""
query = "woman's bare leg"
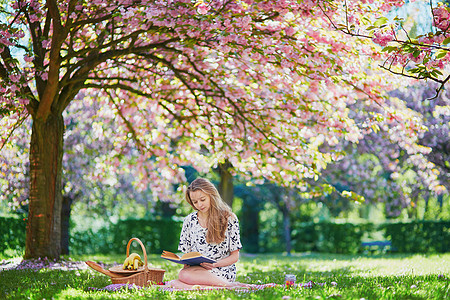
(176, 283)
(199, 275)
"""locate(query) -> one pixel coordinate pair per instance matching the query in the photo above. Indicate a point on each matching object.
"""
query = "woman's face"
(201, 201)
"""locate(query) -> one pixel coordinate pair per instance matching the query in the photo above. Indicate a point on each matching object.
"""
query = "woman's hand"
(207, 266)
(229, 260)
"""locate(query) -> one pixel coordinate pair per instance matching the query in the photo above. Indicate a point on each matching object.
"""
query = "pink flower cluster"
(382, 37)
(441, 17)
(389, 4)
(202, 7)
(116, 287)
(43, 263)
(5, 37)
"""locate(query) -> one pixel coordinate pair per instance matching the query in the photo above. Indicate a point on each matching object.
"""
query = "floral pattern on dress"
(193, 238)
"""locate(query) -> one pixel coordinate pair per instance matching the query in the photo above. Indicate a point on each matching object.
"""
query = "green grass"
(388, 277)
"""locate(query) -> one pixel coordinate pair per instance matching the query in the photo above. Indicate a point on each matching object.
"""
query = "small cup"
(290, 280)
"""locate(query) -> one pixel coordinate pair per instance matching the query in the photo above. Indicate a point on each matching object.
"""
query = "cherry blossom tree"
(383, 170)
(262, 85)
(422, 55)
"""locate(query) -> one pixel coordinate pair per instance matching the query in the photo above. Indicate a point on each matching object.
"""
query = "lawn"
(336, 277)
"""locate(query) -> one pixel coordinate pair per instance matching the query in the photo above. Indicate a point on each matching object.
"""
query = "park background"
(369, 164)
(405, 193)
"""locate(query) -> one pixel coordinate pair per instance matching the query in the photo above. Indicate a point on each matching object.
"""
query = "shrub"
(92, 242)
(304, 237)
(419, 236)
(156, 235)
(163, 234)
(339, 238)
(328, 237)
(12, 234)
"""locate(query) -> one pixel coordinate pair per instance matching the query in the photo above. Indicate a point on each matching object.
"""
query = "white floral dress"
(193, 238)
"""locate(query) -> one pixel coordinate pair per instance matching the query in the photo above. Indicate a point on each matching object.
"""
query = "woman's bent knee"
(189, 275)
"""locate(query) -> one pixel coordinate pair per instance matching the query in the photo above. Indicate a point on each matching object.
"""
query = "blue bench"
(381, 246)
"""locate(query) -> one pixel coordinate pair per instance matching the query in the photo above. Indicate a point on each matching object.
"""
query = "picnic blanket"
(251, 287)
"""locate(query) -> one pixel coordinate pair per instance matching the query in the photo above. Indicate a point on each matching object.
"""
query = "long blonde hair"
(218, 213)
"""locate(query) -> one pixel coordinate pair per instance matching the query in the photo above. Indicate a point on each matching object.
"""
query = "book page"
(170, 255)
(191, 255)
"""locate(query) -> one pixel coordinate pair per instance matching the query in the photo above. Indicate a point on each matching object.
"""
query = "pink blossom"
(14, 78)
(287, 49)
(20, 34)
(28, 58)
(5, 34)
(13, 88)
(24, 101)
(382, 38)
(289, 31)
(46, 44)
(44, 75)
(34, 18)
(441, 17)
(202, 8)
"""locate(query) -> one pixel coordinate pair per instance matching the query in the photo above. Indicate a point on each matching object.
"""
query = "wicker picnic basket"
(143, 278)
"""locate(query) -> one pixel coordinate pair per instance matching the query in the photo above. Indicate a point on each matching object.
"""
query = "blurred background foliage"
(313, 228)
(404, 205)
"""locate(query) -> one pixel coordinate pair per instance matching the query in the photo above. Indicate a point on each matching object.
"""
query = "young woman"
(212, 230)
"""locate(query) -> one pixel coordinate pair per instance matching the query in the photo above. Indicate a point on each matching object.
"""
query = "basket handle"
(143, 250)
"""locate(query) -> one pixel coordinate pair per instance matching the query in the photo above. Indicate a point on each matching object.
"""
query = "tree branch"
(17, 125)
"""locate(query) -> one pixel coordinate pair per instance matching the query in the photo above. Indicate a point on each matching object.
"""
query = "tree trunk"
(226, 188)
(44, 216)
(250, 223)
(65, 224)
(287, 230)
(427, 200)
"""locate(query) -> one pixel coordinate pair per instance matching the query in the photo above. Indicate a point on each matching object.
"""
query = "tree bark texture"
(44, 217)
(226, 188)
(65, 223)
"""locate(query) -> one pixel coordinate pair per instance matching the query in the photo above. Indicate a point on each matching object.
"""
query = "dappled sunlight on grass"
(336, 276)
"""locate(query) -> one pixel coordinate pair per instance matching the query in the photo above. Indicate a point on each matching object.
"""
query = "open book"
(191, 258)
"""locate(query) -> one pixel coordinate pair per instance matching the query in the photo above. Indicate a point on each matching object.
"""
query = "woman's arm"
(229, 260)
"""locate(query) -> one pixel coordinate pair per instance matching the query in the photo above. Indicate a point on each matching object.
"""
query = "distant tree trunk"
(287, 230)
(440, 199)
(226, 188)
(250, 223)
(364, 211)
(65, 223)
(167, 210)
(426, 198)
(44, 217)
(281, 200)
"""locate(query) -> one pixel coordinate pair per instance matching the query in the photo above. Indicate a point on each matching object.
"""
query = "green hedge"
(163, 234)
(419, 237)
(411, 237)
(12, 234)
(156, 235)
(328, 237)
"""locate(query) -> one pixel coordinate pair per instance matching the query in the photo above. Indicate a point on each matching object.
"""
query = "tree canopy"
(270, 86)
